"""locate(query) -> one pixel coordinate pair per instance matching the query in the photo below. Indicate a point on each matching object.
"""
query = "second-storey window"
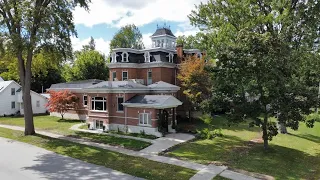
(85, 100)
(120, 106)
(145, 119)
(149, 78)
(13, 91)
(124, 75)
(99, 104)
(114, 75)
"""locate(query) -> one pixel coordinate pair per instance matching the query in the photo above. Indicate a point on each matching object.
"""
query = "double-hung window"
(145, 119)
(85, 100)
(114, 75)
(13, 91)
(124, 75)
(120, 106)
(149, 78)
(99, 104)
(13, 105)
(99, 124)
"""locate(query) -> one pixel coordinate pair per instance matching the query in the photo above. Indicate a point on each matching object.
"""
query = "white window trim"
(95, 124)
(13, 92)
(170, 58)
(149, 70)
(112, 75)
(118, 104)
(84, 100)
(147, 57)
(127, 75)
(13, 102)
(125, 59)
(148, 118)
(94, 106)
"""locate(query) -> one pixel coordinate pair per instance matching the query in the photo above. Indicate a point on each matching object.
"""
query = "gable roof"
(153, 101)
(4, 85)
(163, 31)
(76, 84)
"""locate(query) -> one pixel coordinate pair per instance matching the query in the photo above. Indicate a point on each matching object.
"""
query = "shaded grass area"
(59, 126)
(128, 164)
(111, 140)
(220, 178)
(140, 135)
(291, 156)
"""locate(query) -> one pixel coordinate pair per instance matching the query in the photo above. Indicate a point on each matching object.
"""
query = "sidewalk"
(205, 172)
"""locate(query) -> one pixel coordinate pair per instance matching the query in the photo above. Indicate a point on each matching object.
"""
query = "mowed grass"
(44, 123)
(135, 166)
(291, 156)
(56, 125)
(112, 140)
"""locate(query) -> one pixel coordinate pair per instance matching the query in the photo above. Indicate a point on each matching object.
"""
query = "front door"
(165, 121)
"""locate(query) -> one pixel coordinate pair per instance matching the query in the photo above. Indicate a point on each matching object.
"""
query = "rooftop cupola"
(164, 38)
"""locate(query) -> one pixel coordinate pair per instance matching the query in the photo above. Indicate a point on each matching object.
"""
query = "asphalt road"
(23, 161)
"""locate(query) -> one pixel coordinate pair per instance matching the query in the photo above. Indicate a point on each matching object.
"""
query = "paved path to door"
(23, 161)
(164, 143)
(204, 172)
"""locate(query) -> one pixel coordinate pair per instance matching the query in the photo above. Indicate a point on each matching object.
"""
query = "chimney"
(179, 53)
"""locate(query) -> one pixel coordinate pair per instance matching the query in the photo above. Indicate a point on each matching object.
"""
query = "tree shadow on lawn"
(112, 140)
(279, 162)
(120, 162)
(70, 121)
(309, 137)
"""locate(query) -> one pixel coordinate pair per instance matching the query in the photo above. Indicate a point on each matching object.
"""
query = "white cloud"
(147, 40)
(102, 45)
(140, 12)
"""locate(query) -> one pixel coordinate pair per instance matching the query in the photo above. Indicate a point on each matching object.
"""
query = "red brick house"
(142, 92)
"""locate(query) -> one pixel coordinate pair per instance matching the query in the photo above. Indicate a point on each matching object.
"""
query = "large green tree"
(88, 64)
(28, 27)
(260, 47)
(128, 36)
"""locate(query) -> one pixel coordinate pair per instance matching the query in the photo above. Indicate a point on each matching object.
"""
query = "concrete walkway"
(24, 161)
(204, 172)
(164, 143)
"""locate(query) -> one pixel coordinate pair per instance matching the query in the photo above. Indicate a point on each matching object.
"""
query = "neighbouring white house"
(11, 99)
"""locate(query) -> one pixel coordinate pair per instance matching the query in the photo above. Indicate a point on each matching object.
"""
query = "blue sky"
(106, 17)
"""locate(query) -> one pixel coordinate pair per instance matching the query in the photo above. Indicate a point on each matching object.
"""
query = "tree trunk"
(62, 116)
(282, 128)
(265, 132)
(25, 78)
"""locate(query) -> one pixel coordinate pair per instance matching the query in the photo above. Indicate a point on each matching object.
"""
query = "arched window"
(125, 57)
(170, 57)
(113, 57)
(147, 57)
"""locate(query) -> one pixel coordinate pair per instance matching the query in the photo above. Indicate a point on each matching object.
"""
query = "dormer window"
(147, 57)
(170, 58)
(125, 57)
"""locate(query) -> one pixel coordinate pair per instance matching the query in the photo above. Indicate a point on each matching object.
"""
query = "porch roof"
(153, 101)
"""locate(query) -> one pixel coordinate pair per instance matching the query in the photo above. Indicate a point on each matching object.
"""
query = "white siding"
(6, 98)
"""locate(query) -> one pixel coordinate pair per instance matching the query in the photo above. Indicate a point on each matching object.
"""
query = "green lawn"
(128, 164)
(45, 123)
(55, 125)
(291, 156)
(220, 178)
(111, 140)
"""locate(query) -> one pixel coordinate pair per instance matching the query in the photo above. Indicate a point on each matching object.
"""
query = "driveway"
(23, 161)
